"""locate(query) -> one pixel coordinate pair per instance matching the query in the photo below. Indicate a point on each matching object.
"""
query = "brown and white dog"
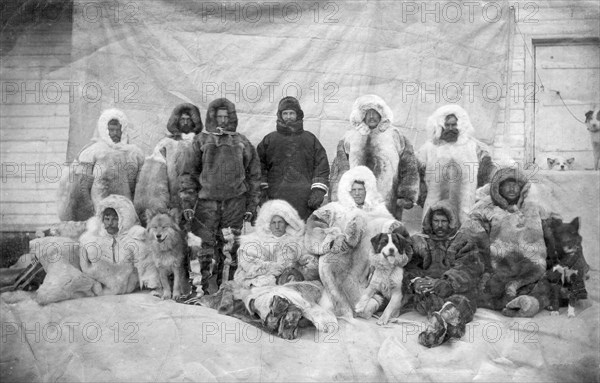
(592, 121)
(390, 253)
(560, 163)
(167, 245)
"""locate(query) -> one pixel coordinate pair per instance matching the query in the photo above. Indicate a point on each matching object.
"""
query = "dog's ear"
(551, 162)
(376, 241)
(589, 115)
(575, 224)
(571, 160)
(148, 215)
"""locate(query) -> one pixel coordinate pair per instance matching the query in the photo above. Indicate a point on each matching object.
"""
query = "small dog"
(449, 322)
(560, 163)
(390, 253)
(592, 121)
(566, 285)
(167, 244)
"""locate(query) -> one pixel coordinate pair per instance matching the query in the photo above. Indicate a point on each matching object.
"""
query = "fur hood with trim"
(211, 115)
(435, 123)
(502, 175)
(359, 110)
(448, 209)
(125, 210)
(192, 110)
(101, 133)
(373, 199)
(284, 210)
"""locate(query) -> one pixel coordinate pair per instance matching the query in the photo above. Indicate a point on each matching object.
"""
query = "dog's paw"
(176, 296)
(361, 305)
(554, 313)
(166, 295)
(571, 312)
(383, 320)
(156, 293)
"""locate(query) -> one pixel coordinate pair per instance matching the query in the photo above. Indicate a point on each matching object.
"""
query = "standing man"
(228, 170)
(294, 163)
(374, 142)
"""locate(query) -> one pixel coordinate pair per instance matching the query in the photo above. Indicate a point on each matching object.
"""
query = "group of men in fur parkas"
(216, 180)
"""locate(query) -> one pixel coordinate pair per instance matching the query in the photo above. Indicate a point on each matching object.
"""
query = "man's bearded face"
(185, 123)
(440, 224)
(372, 118)
(450, 130)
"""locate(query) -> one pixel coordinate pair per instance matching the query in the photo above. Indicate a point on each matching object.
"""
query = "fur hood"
(501, 175)
(192, 110)
(359, 110)
(284, 210)
(101, 133)
(211, 115)
(373, 199)
(436, 121)
(125, 210)
(447, 207)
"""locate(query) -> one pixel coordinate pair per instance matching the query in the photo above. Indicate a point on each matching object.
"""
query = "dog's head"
(393, 246)
(567, 237)
(560, 163)
(162, 227)
(288, 326)
(592, 120)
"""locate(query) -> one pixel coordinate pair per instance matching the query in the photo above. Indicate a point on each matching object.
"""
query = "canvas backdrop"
(146, 57)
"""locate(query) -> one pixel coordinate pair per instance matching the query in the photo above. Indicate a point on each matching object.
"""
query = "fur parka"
(384, 150)
(262, 257)
(511, 238)
(101, 169)
(119, 262)
(452, 171)
(340, 233)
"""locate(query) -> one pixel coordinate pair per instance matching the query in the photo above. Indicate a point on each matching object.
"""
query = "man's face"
(510, 190)
(222, 118)
(358, 193)
(289, 115)
(440, 224)
(114, 132)
(111, 223)
(277, 226)
(450, 131)
(372, 118)
(185, 123)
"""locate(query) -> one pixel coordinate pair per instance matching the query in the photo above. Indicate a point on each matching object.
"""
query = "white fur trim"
(364, 174)
(436, 121)
(283, 209)
(102, 127)
(360, 107)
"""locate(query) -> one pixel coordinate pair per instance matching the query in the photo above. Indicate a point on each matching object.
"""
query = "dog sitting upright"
(389, 254)
(167, 244)
(592, 121)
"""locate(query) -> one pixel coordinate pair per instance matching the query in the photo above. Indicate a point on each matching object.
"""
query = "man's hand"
(339, 244)
(405, 203)
(248, 216)
(423, 285)
(522, 306)
(316, 198)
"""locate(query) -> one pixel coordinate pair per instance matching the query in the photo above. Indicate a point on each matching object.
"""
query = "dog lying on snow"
(167, 245)
(390, 253)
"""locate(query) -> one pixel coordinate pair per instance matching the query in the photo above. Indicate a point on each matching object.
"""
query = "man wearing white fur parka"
(340, 233)
(373, 142)
(108, 165)
(276, 245)
(113, 250)
(453, 163)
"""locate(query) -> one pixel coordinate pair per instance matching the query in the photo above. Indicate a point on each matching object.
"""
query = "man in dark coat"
(293, 161)
(228, 171)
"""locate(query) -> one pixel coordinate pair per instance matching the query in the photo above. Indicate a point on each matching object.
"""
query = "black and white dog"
(389, 254)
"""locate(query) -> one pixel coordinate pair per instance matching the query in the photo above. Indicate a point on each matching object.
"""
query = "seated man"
(276, 245)
(444, 262)
(108, 165)
(511, 231)
(113, 247)
(340, 233)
